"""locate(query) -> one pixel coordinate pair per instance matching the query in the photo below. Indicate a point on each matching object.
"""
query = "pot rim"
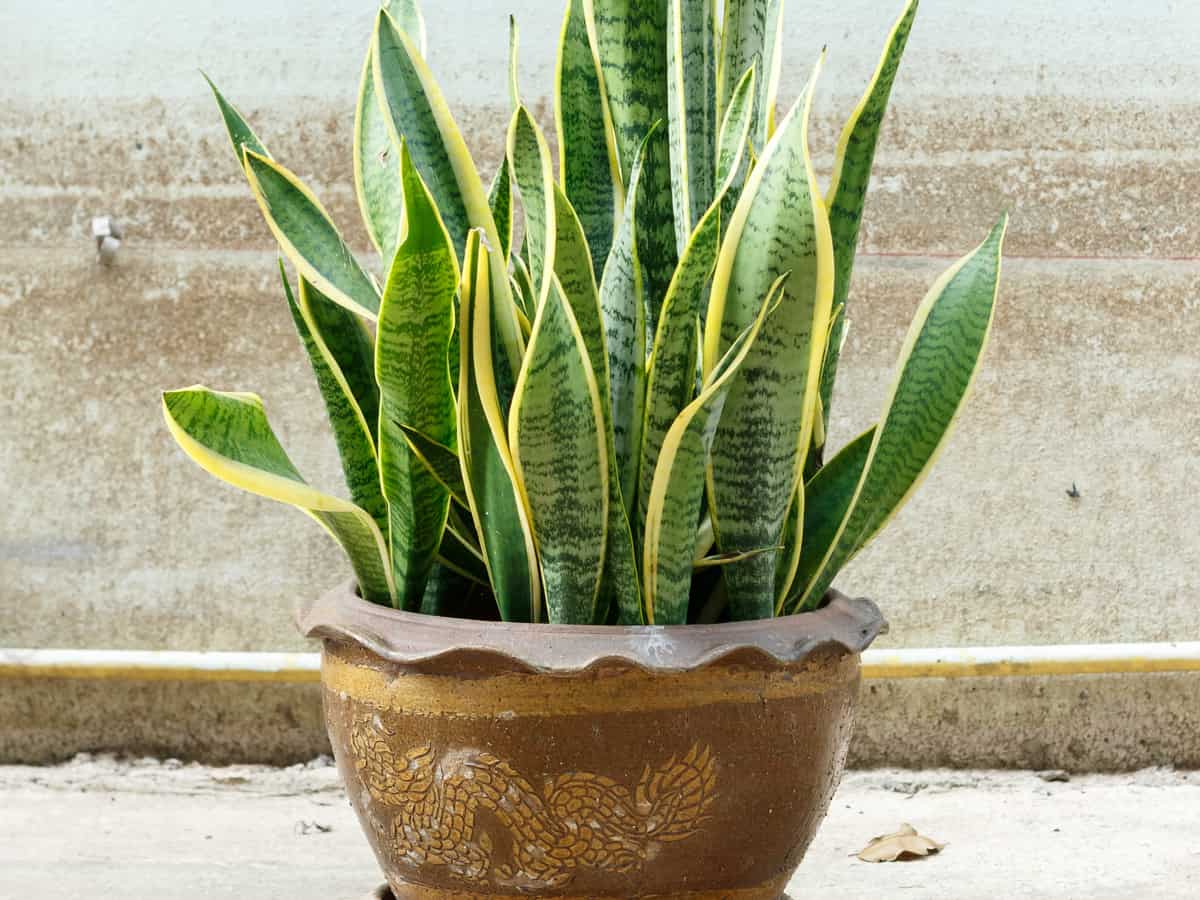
(439, 642)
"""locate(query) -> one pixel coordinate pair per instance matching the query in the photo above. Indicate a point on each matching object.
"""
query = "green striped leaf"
(827, 497)
(851, 177)
(655, 230)
(488, 473)
(228, 435)
(692, 114)
(557, 436)
(732, 160)
(308, 237)
(376, 173)
(338, 350)
(523, 293)
(779, 226)
(529, 157)
(790, 545)
(678, 485)
(239, 130)
(514, 46)
(671, 379)
(631, 42)
(624, 316)
(750, 34)
(938, 363)
(440, 461)
(620, 589)
(500, 202)
(416, 321)
(415, 108)
(589, 167)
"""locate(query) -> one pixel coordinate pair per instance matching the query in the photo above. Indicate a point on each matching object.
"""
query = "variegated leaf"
(229, 436)
(692, 117)
(678, 483)
(937, 366)
(851, 177)
(589, 167)
(488, 474)
(416, 321)
(500, 202)
(557, 436)
(308, 237)
(529, 158)
(779, 226)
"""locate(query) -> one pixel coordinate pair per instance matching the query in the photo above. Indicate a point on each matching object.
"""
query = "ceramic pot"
(499, 760)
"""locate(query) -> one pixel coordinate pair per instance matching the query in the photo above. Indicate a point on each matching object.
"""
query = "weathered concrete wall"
(1079, 117)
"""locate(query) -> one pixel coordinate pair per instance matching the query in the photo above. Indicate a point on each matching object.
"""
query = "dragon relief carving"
(578, 819)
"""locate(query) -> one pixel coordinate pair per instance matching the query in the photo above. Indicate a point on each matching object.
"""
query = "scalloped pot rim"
(845, 623)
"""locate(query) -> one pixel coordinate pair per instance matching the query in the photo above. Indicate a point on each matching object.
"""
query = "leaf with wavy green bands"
(323, 326)
(572, 264)
(851, 177)
(229, 436)
(529, 157)
(937, 366)
(449, 594)
(668, 553)
(692, 114)
(376, 174)
(308, 237)
(750, 34)
(589, 166)
(239, 130)
(624, 314)
(416, 322)
(732, 160)
(827, 497)
(655, 231)
(779, 226)
(500, 201)
(488, 474)
(415, 108)
(557, 436)
(631, 43)
(440, 461)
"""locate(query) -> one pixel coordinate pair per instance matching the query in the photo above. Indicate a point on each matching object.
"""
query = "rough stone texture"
(1083, 125)
(145, 831)
(1079, 724)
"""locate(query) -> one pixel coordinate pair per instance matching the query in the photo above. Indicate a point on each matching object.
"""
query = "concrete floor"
(99, 828)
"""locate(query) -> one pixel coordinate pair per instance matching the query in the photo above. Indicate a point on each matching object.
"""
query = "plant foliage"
(622, 418)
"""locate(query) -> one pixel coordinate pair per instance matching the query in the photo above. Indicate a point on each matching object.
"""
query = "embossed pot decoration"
(505, 760)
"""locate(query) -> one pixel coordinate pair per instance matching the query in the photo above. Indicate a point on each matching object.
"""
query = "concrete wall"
(1081, 117)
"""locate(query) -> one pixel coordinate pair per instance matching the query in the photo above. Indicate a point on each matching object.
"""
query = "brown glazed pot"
(493, 760)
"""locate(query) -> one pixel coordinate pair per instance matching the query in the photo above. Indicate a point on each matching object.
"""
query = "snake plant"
(621, 416)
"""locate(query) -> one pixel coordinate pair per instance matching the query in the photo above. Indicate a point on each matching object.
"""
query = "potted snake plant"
(591, 646)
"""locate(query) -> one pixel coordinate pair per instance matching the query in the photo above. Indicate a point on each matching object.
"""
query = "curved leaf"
(239, 130)
(229, 436)
(692, 117)
(827, 497)
(678, 484)
(557, 436)
(735, 131)
(339, 350)
(851, 177)
(416, 321)
(750, 35)
(500, 202)
(938, 364)
(488, 474)
(440, 461)
(308, 237)
(529, 157)
(589, 167)
(778, 226)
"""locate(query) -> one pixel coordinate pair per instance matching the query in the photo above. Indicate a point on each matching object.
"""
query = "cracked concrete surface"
(143, 830)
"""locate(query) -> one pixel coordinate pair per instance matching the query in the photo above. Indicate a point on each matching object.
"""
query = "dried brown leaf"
(903, 844)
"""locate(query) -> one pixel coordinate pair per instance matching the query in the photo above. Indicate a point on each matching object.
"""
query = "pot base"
(772, 891)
